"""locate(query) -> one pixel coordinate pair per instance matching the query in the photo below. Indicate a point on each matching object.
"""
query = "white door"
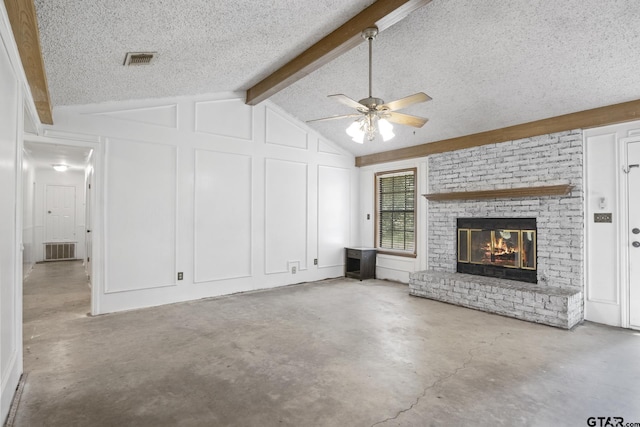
(60, 214)
(633, 231)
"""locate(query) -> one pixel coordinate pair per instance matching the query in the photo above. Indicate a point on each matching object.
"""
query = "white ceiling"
(486, 64)
(45, 155)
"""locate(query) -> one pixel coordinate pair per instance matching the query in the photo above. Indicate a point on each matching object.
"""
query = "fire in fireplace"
(498, 247)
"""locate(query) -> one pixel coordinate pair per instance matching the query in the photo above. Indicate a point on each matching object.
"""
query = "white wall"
(28, 214)
(394, 267)
(11, 124)
(232, 196)
(606, 290)
(45, 176)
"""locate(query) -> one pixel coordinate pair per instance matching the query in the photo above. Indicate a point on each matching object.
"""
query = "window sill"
(396, 253)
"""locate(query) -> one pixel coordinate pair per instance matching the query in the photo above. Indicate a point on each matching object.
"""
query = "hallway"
(55, 292)
(332, 353)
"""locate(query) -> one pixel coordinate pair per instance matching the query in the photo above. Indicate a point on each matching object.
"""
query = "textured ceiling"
(486, 64)
(202, 46)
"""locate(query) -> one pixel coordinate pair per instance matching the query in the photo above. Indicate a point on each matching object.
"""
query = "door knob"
(636, 244)
(48, 211)
(636, 231)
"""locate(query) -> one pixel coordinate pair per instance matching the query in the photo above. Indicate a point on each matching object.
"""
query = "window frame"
(396, 252)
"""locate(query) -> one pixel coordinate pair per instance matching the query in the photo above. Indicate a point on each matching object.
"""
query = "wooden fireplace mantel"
(549, 190)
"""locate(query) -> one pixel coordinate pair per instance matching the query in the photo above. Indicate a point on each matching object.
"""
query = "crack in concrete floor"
(443, 379)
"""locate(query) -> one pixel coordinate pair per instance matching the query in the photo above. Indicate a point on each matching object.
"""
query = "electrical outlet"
(293, 270)
(315, 261)
(180, 275)
(368, 216)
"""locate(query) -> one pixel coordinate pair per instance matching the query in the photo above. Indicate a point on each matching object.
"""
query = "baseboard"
(13, 410)
(11, 380)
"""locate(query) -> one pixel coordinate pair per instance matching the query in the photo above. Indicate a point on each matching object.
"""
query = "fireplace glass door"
(497, 247)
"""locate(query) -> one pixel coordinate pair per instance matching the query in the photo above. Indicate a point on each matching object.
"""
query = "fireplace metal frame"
(520, 225)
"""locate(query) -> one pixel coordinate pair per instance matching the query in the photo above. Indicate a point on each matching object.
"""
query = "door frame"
(88, 212)
(97, 232)
(623, 226)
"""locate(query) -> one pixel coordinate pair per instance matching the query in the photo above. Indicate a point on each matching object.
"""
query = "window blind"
(396, 211)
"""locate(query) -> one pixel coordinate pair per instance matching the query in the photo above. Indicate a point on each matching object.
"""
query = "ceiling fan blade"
(406, 101)
(335, 117)
(344, 99)
(406, 119)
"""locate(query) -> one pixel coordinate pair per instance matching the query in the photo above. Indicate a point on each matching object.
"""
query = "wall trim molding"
(602, 116)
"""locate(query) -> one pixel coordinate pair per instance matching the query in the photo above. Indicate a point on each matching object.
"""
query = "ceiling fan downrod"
(370, 35)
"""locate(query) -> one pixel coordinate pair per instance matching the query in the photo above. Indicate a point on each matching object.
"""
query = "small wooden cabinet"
(360, 263)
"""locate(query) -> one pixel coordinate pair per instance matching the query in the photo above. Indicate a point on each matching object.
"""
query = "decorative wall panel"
(333, 215)
(282, 131)
(222, 223)
(285, 214)
(229, 117)
(140, 215)
(327, 148)
(165, 116)
(603, 257)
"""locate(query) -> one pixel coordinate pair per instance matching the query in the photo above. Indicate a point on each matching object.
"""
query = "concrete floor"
(332, 353)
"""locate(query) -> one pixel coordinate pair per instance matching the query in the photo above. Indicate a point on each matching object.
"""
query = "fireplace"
(498, 247)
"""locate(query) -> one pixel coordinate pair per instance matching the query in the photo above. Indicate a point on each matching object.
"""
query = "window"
(395, 212)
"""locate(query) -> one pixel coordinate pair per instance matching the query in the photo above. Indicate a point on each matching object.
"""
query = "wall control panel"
(602, 217)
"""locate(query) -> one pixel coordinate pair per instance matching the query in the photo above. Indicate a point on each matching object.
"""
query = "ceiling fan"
(374, 113)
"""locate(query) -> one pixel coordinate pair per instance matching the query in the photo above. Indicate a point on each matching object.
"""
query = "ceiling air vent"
(138, 58)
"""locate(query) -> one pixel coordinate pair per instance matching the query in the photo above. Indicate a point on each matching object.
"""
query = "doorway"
(57, 173)
(632, 232)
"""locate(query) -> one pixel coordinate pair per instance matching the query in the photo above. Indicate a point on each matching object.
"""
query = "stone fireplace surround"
(544, 160)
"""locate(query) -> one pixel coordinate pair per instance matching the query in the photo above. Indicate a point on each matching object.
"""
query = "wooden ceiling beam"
(602, 116)
(24, 24)
(382, 13)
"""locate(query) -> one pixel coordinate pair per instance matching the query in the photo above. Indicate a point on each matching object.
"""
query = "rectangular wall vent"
(138, 58)
(59, 251)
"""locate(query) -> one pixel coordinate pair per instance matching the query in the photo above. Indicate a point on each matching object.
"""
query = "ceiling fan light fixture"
(374, 115)
(386, 129)
(369, 126)
(356, 132)
(358, 139)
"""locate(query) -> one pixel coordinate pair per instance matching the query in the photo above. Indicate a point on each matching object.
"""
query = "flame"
(500, 247)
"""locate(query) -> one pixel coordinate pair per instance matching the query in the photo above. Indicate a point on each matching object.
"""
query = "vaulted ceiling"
(486, 64)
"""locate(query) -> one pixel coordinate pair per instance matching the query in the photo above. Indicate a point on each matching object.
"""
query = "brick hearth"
(526, 301)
